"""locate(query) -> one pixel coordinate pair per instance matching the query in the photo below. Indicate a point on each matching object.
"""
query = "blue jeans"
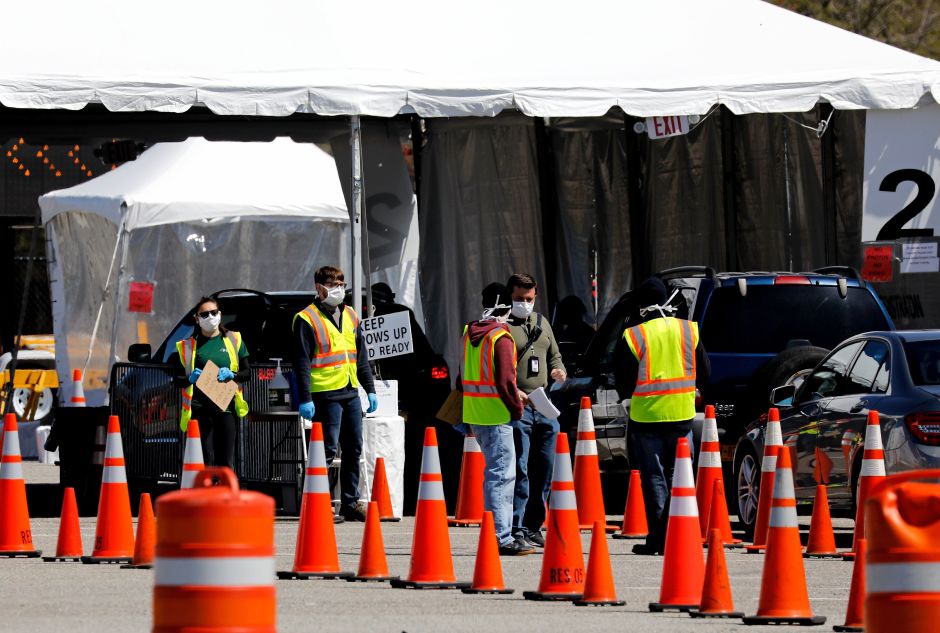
(499, 475)
(342, 426)
(653, 453)
(534, 436)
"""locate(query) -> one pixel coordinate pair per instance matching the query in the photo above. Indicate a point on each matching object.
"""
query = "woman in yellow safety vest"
(226, 349)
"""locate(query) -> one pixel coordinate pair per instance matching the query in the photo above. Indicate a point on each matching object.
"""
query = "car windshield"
(923, 359)
(769, 316)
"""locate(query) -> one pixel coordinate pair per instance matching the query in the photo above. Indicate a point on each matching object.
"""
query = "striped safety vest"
(187, 351)
(334, 364)
(481, 402)
(665, 385)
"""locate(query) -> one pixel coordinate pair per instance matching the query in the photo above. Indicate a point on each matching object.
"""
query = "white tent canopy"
(447, 59)
(184, 219)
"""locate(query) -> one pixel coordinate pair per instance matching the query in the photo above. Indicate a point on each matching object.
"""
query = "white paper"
(918, 250)
(920, 265)
(543, 404)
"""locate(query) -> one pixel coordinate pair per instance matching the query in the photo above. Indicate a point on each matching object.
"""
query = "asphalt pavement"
(38, 597)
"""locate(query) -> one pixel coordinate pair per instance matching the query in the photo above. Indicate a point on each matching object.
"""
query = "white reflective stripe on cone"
(873, 437)
(562, 468)
(114, 449)
(682, 475)
(11, 470)
(563, 500)
(683, 506)
(186, 481)
(873, 468)
(902, 577)
(709, 459)
(470, 444)
(247, 571)
(783, 484)
(114, 475)
(710, 430)
(316, 484)
(769, 464)
(430, 461)
(783, 517)
(316, 456)
(430, 491)
(586, 447)
(11, 443)
(193, 452)
(585, 421)
(773, 435)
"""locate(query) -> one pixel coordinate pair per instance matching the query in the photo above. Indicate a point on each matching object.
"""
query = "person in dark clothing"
(331, 362)
(659, 363)
(571, 332)
(227, 350)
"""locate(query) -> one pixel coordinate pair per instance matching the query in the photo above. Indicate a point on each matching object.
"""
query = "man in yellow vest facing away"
(330, 364)
(490, 400)
(660, 362)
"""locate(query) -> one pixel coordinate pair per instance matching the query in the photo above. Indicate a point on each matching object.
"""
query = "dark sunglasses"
(208, 313)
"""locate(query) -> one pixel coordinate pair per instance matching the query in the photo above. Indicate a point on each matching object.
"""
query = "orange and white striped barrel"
(709, 468)
(214, 566)
(773, 444)
(902, 573)
(78, 391)
(587, 472)
(192, 456)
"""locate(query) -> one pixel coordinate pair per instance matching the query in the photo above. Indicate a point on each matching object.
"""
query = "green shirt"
(213, 349)
(545, 350)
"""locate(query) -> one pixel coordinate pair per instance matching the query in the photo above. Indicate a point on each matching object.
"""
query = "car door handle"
(858, 407)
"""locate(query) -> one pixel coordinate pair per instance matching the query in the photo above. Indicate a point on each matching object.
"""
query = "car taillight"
(439, 373)
(792, 279)
(699, 401)
(925, 427)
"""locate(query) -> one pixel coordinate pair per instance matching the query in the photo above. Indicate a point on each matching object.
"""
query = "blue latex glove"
(225, 374)
(306, 410)
(373, 403)
(193, 377)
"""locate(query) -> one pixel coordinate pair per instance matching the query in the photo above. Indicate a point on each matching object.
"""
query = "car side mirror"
(139, 353)
(782, 396)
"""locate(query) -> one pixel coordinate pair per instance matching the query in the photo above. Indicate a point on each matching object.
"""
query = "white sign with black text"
(902, 174)
(387, 335)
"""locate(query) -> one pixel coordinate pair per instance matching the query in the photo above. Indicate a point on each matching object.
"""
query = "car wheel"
(747, 487)
(43, 406)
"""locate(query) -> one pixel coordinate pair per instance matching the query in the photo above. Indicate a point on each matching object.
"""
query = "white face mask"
(334, 296)
(522, 309)
(209, 324)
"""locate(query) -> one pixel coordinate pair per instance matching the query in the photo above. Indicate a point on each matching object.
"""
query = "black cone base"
(832, 555)
(724, 614)
(844, 627)
(619, 536)
(536, 595)
(412, 584)
(471, 590)
(390, 519)
(371, 578)
(32, 553)
(599, 603)
(62, 559)
(300, 575)
(99, 560)
(659, 607)
(813, 620)
(133, 566)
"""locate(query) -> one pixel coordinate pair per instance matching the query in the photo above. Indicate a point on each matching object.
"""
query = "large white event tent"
(185, 219)
(544, 59)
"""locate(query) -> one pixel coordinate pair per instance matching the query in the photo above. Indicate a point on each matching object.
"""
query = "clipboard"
(452, 409)
(220, 393)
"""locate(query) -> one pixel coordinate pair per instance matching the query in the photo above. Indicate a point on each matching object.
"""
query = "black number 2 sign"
(892, 230)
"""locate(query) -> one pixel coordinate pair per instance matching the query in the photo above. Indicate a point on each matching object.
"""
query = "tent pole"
(117, 295)
(104, 296)
(355, 214)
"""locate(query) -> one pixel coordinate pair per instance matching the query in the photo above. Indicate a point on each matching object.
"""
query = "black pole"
(729, 189)
(548, 200)
(828, 160)
(638, 235)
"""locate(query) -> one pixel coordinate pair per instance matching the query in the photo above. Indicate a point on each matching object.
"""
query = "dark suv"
(760, 330)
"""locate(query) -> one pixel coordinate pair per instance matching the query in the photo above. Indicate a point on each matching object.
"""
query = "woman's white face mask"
(210, 324)
(522, 309)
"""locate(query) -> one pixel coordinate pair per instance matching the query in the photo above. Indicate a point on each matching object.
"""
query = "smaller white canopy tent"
(188, 219)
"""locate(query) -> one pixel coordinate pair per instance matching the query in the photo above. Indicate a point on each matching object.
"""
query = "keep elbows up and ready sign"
(387, 335)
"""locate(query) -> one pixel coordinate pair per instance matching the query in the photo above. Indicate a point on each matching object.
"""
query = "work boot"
(646, 550)
(516, 548)
(355, 513)
(536, 539)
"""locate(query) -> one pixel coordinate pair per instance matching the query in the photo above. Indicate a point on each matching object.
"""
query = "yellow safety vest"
(187, 351)
(334, 365)
(665, 386)
(481, 402)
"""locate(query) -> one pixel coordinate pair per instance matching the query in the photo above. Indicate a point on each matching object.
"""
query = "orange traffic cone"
(69, 546)
(873, 472)
(192, 455)
(709, 468)
(78, 391)
(114, 532)
(16, 538)
(432, 566)
(563, 562)
(316, 555)
(470, 493)
(783, 595)
(684, 558)
(587, 472)
(855, 612)
(373, 566)
(487, 571)
(634, 513)
(717, 601)
(381, 494)
(823, 467)
(822, 540)
(599, 587)
(773, 446)
(718, 518)
(146, 542)
(848, 440)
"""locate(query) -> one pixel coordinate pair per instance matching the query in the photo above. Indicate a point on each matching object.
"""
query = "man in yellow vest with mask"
(660, 362)
(330, 364)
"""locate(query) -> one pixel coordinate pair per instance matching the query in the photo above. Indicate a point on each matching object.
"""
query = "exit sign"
(666, 126)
